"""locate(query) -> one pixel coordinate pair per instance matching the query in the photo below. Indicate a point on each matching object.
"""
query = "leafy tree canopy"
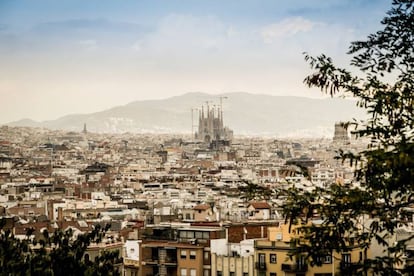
(252, 191)
(375, 205)
(59, 253)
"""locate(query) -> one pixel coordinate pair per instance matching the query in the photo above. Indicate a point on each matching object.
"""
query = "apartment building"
(273, 257)
(177, 250)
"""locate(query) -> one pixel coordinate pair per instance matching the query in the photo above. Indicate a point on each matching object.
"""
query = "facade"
(203, 212)
(95, 250)
(232, 265)
(259, 210)
(171, 258)
(131, 257)
(211, 127)
(235, 259)
(272, 257)
(182, 251)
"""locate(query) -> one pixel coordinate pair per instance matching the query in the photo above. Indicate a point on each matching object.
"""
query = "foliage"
(252, 191)
(54, 254)
(375, 205)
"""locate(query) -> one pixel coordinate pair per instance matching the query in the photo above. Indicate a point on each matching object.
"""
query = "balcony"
(162, 261)
(349, 267)
(294, 268)
(167, 257)
(170, 261)
(131, 262)
(260, 266)
(149, 261)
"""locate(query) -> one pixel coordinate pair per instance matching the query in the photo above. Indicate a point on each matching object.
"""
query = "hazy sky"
(82, 56)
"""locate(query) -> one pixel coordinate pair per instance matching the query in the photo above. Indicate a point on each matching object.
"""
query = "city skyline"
(69, 57)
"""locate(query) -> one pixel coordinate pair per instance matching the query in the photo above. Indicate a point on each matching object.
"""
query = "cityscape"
(298, 160)
(174, 202)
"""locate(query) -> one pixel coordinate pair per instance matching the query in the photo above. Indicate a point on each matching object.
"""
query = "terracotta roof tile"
(260, 205)
(202, 207)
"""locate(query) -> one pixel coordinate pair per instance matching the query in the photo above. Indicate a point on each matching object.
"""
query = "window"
(273, 258)
(206, 272)
(272, 274)
(183, 272)
(183, 254)
(232, 273)
(206, 255)
(327, 259)
(346, 258)
(262, 258)
(193, 254)
(300, 261)
(219, 273)
(187, 234)
(193, 272)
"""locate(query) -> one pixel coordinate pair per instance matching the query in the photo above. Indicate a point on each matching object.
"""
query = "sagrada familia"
(211, 127)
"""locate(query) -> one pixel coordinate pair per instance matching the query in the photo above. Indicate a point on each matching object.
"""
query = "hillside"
(245, 113)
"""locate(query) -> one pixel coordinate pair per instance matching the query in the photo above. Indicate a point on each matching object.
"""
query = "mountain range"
(245, 113)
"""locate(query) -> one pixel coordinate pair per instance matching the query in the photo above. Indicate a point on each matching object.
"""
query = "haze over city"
(214, 138)
(65, 57)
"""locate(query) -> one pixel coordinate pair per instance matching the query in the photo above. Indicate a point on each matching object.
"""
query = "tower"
(84, 131)
(210, 125)
(341, 133)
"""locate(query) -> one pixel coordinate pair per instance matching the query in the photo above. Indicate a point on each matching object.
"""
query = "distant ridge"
(245, 113)
(23, 123)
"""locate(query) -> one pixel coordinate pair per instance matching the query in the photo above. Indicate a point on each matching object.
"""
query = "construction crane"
(221, 107)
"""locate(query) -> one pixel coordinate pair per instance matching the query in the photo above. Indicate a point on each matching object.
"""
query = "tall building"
(341, 134)
(84, 131)
(211, 126)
